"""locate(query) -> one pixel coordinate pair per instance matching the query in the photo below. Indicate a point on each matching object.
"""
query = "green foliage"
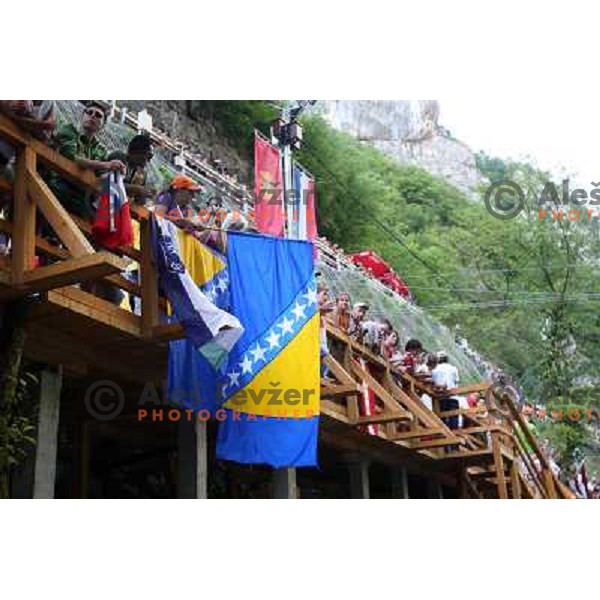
(569, 437)
(17, 430)
(493, 168)
(518, 289)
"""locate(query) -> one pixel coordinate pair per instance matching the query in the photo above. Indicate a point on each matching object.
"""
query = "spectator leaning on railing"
(139, 154)
(357, 317)
(325, 307)
(38, 117)
(340, 316)
(176, 202)
(412, 350)
(389, 347)
(82, 146)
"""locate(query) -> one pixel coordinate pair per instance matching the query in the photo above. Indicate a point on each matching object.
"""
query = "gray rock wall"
(409, 132)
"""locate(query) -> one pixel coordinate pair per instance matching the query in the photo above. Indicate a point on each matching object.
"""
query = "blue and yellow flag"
(192, 380)
(212, 331)
(271, 389)
(207, 267)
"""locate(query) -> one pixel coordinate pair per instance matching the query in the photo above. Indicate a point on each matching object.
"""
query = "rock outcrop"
(409, 132)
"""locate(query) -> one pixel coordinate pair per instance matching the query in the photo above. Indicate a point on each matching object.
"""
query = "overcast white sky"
(556, 132)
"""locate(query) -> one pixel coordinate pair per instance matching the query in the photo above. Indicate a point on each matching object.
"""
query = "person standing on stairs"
(445, 377)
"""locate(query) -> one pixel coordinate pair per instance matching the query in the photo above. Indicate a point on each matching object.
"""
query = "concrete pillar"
(201, 459)
(359, 479)
(400, 483)
(47, 435)
(192, 459)
(284, 484)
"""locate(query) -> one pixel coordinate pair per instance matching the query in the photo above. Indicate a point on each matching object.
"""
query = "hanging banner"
(305, 222)
(268, 188)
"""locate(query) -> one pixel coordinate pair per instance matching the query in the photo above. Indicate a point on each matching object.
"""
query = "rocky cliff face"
(202, 137)
(409, 132)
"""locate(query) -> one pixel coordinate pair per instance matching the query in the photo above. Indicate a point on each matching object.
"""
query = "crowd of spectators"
(379, 336)
(81, 143)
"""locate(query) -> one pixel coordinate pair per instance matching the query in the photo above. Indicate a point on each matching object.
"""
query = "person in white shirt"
(445, 376)
(425, 369)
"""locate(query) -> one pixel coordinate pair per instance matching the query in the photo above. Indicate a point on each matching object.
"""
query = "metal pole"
(286, 170)
(293, 203)
(287, 191)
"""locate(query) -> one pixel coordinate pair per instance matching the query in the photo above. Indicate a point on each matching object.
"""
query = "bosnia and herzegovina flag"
(212, 331)
(271, 391)
(192, 380)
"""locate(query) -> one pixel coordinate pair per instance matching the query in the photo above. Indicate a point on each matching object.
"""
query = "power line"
(380, 224)
(530, 298)
(394, 236)
(510, 270)
(501, 292)
(507, 303)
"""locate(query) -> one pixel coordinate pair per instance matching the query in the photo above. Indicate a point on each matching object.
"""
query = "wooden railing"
(517, 469)
(77, 258)
(400, 414)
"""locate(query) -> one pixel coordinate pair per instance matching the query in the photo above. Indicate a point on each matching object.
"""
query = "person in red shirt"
(412, 350)
(390, 344)
(473, 400)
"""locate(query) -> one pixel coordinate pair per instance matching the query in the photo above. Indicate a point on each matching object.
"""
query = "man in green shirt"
(82, 146)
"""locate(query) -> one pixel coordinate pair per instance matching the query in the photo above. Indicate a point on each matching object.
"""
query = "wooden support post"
(149, 277)
(400, 483)
(23, 238)
(549, 484)
(186, 459)
(192, 461)
(434, 490)
(351, 401)
(284, 484)
(58, 217)
(85, 456)
(436, 405)
(47, 435)
(359, 479)
(515, 483)
(461, 484)
(499, 467)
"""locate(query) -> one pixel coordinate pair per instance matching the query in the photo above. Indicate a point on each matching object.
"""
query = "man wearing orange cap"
(176, 202)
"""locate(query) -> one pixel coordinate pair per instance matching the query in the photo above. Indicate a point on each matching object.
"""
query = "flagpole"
(289, 135)
(286, 170)
(288, 204)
